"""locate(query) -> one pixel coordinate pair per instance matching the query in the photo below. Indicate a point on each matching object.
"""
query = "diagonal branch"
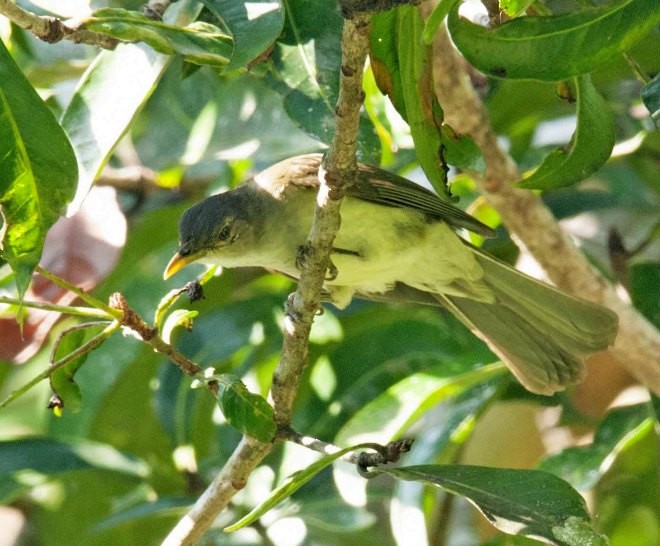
(638, 343)
(304, 304)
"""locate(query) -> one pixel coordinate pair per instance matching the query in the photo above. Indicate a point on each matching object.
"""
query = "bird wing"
(385, 188)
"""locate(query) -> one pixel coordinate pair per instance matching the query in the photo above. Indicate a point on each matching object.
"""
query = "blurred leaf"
(401, 63)
(462, 152)
(644, 282)
(37, 171)
(82, 249)
(164, 506)
(584, 466)
(513, 8)
(112, 90)
(305, 70)
(247, 412)
(438, 15)
(47, 456)
(289, 487)
(554, 48)
(391, 413)
(651, 97)
(525, 502)
(198, 42)
(254, 26)
(590, 146)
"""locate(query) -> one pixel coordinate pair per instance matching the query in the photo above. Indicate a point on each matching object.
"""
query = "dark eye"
(224, 233)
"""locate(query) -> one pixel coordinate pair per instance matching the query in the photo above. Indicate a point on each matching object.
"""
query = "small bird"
(397, 243)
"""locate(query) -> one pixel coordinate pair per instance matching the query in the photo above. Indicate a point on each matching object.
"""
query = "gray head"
(218, 229)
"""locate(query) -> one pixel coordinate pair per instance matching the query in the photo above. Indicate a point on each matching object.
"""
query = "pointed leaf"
(254, 26)
(590, 146)
(402, 66)
(525, 502)
(247, 412)
(554, 48)
(289, 487)
(37, 170)
(199, 42)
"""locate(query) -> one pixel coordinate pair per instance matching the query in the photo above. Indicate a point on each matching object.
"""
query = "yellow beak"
(177, 263)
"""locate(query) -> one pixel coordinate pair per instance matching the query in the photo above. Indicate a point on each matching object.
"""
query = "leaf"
(391, 413)
(82, 250)
(436, 18)
(199, 42)
(513, 8)
(305, 67)
(590, 146)
(651, 97)
(37, 171)
(110, 93)
(254, 26)
(401, 63)
(525, 502)
(289, 487)
(554, 48)
(583, 466)
(180, 317)
(461, 151)
(247, 412)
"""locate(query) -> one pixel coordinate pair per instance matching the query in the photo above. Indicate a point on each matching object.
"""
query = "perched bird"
(397, 242)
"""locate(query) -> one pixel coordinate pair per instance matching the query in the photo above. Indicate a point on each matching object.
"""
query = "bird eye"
(224, 233)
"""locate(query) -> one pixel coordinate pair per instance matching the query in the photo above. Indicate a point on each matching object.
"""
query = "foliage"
(212, 93)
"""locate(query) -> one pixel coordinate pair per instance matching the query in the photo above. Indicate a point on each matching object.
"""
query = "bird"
(398, 241)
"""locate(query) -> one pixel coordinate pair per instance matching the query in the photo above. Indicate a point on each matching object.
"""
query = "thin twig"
(64, 309)
(80, 351)
(51, 29)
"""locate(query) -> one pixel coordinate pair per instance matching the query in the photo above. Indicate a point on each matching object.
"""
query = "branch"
(51, 29)
(339, 170)
(638, 343)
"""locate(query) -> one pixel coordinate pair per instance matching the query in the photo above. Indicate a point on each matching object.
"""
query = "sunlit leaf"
(180, 317)
(583, 466)
(554, 48)
(198, 42)
(254, 26)
(289, 487)
(37, 171)
(108, 96)
(245, 411)
(526, 502)
(590, 146)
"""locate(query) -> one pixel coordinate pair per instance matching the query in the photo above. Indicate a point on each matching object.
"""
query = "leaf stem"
(65, 309)
(87, 298)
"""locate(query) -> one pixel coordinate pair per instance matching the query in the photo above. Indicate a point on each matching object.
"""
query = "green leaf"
(180, 317)
(651, 97)
(391, 413)
(199, 42)
(401, 63)
(583, 466)
(462, 152)
(525, 502)
(304, 70)
(247, 412)
(37, 171)
(436, 18)
(558, 47)
(590, 146)
(254, 26)
(513, 8)
(110, 93)
(289, 487)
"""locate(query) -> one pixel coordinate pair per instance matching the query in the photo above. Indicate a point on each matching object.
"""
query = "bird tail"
(542, 334)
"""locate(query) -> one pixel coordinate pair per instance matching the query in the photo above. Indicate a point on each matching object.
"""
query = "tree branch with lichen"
(638, 343)
(302, 306)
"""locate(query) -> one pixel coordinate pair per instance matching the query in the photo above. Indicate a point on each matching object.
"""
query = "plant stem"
(65, 309)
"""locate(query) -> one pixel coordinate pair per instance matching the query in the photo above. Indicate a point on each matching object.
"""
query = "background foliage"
(180, 117)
